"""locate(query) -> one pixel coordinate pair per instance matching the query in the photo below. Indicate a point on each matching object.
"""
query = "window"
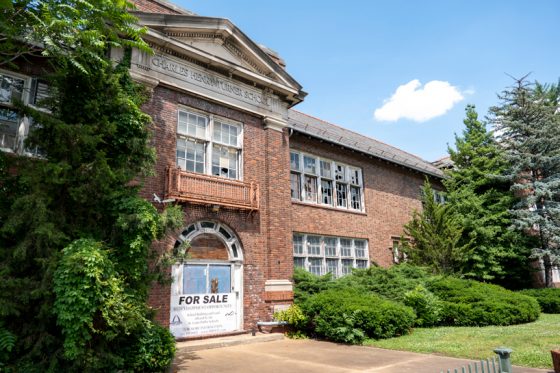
(330, 246)
(298, 244)
(310, 188)
(323, 254)
(345, 247)
(323, 181)
(15, 128)
(314, 245)
(295, 186)
(398, 253)
(439, 196)
(208, 145)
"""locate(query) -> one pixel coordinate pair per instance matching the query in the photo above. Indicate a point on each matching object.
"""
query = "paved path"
(314, 357)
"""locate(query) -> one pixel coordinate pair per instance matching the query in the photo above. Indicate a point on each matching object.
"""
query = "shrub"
(390, 283)
(427, 306)
(296, 320)
(307, 284)
(153, 351)
(472, 303)
(548, 298)
(349, 315)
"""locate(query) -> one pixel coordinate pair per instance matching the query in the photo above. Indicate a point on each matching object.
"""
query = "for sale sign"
(201, 314)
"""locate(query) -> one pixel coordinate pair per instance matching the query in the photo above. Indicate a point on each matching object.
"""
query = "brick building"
(264, 187)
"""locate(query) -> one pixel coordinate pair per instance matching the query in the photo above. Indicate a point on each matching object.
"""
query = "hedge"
(349, 316)
(472, 303)
(548, 298)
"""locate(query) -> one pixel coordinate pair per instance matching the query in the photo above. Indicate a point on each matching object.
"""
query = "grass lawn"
(531, 343)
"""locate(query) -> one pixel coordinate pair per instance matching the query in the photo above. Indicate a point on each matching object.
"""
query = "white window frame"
(23, 123)
(208, 140)
(305, 255)
(346, 181)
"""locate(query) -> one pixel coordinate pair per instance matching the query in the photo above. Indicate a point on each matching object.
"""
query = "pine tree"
(435, 235)
(482, 202)
(528, 121)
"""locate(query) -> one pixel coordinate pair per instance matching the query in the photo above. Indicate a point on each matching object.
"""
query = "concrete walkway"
(311, 356)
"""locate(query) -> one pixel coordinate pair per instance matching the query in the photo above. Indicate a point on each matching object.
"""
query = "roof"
(443, 163)
(320, 129)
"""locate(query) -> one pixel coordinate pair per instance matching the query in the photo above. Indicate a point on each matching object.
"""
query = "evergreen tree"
(482, 202)
(75, 237)
(435, 236)
(528, 121)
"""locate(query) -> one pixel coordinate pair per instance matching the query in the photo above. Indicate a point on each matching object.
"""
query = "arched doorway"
(207, 289)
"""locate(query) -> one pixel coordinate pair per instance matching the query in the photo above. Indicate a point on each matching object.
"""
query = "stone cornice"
(164, 29)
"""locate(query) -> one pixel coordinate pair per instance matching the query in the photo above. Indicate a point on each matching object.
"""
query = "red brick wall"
(149, 6)
(391, 193)
(253, 229)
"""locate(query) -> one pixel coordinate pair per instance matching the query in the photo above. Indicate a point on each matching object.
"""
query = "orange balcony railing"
(206, 189)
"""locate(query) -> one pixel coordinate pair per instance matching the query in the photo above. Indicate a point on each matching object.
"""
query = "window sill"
(326, 207)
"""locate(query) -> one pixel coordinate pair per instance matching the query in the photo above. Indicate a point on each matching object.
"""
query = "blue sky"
(352, 56)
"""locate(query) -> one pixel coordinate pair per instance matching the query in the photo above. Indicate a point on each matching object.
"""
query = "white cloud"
(417, 103)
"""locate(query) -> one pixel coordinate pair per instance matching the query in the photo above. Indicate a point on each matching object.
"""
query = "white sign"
(202, 314)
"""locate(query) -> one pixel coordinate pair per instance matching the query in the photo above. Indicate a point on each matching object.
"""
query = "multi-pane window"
(206, 144)
(324, 254)
(14, 127)
(345, 247)
(313, 245)
(323, 181)
(295, 186)
(298, 245)
(330, 246)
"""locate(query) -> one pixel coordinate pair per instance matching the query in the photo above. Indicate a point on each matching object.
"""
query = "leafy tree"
(482, 202)
(68, 31)
(75, 240)
(435, 234)
(528, 121)
(75, 237)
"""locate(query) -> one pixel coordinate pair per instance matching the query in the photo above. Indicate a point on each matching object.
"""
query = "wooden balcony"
(211, 190)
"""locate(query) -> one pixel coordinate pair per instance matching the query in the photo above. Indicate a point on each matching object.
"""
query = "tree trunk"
(547, 271)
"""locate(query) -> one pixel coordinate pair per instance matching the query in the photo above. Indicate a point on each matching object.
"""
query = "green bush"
(307, 284)
(296, 320)
(392, 283)
(350, 315)
(153, 350)
(472, 303)
(427, 306)
(548, 298)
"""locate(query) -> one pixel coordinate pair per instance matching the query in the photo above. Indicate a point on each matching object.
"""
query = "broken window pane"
(310, 188)
(295, 187)
(355, 176)
(224, 161)
(10, 88)
(326, 192)
(339, 172)
(341, 195)
(355, 198)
